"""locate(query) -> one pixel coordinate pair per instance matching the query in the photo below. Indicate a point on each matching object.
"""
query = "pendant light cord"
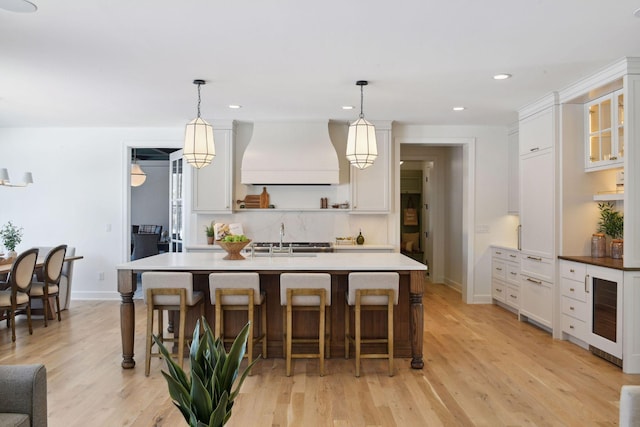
(199, 84)
(361, 101)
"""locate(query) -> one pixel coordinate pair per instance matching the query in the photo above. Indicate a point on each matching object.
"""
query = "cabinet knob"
(571, 327)
(498, 268)
(572, 290)
(514, 296)
(499, 253)
(571, 308)
(534, 149)
(572, 270)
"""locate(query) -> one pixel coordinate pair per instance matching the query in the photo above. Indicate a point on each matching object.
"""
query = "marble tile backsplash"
(264, 226)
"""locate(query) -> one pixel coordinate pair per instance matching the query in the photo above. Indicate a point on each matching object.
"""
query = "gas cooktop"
(298, 246)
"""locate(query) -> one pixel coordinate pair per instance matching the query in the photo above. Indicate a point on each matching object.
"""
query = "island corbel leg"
(416, 290)
(127, 287)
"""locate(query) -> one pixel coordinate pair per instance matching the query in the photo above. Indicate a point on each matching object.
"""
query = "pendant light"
(199, 148)
(5, 181)
(138, 177)
(362, 149)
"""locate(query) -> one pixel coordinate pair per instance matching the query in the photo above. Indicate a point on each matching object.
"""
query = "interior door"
(176, 201)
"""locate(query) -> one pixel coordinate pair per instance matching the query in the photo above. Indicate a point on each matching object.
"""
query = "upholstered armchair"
(23, 395)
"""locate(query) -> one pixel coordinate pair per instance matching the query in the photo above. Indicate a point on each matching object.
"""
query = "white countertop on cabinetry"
(203, 248)
(508, 248)
(316, 262)
(361, 247)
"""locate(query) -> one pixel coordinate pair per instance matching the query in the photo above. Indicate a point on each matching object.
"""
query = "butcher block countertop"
(607, 262)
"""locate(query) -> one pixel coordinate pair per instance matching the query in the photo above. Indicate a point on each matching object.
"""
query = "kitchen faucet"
(281, 233)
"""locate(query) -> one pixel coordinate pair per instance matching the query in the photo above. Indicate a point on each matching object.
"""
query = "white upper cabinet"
(513, 199)
(536, 132)
(370, 187)
(604, 145)
(212, 188)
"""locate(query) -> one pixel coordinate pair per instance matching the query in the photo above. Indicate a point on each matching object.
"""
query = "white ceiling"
(132, 63)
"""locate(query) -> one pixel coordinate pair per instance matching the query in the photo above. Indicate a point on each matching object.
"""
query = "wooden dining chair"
(15, 293)
(50, 285)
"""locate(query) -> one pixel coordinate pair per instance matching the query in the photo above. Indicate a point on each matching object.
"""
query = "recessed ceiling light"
(21, 6)
(348, 107)
(235, 106)
(502, 76)
(637, 13)
(459, 108)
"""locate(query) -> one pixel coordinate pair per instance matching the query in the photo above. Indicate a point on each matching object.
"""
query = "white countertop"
(361, 247)
(314, 262)
(335, 247)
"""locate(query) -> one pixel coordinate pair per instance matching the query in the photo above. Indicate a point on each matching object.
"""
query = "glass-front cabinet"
(605, 132)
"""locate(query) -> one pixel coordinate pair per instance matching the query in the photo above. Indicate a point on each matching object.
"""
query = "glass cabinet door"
(620, 123)
(605, 127)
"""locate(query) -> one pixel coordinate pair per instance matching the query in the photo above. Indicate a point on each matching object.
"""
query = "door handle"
(586, 281)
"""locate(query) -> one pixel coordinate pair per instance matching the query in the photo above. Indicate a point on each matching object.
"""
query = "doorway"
(147, 204)
(448, 242)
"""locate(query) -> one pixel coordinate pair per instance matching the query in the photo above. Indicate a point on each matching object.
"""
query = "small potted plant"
(612, 224)
(211, 233)
(206, 397)
(11, 237)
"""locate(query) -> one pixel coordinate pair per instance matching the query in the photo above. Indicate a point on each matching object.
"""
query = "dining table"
(6, 268)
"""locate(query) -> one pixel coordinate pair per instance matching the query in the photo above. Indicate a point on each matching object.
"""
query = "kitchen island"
(408, 315)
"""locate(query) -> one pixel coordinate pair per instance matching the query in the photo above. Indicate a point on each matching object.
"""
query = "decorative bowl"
(233, 249)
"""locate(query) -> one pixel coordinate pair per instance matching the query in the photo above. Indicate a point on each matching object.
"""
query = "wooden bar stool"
(239, 292)
(306, 292)
(168, 291)
(370, 291)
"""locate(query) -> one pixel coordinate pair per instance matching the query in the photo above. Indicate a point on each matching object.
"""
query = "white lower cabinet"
(505, 271)
(537, 300)
(574, 299)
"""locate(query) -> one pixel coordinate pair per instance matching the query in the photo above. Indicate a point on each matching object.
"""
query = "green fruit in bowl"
(235, 238)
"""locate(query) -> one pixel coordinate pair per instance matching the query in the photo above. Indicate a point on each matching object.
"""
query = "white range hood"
(290, 153)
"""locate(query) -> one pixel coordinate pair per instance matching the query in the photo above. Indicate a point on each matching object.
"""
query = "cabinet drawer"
(498, 269)
(504, 254)
(537, 299)
(573, 289)
(513, 274)
(513, 296)
(574, 327)
(498, 290)
(536, 266)
(573, 270)
(574, 308)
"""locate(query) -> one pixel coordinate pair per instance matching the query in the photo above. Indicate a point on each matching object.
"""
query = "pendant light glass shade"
(138, 177)
(362, 149)
(199, 148)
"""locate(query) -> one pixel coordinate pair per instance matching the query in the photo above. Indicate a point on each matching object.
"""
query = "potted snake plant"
(206, 397)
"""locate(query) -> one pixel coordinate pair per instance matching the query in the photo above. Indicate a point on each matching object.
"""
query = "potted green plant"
(11, 237)
(206, 397)
(211, 233)
(611, 223)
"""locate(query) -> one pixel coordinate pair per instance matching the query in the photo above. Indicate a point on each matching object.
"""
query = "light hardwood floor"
(482, 367)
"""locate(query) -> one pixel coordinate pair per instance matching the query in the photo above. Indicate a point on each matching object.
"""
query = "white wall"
(80, 193)
(492, 225)
(78, 196)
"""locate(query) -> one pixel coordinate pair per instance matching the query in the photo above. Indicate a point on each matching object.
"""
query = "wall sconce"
(27, 178)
